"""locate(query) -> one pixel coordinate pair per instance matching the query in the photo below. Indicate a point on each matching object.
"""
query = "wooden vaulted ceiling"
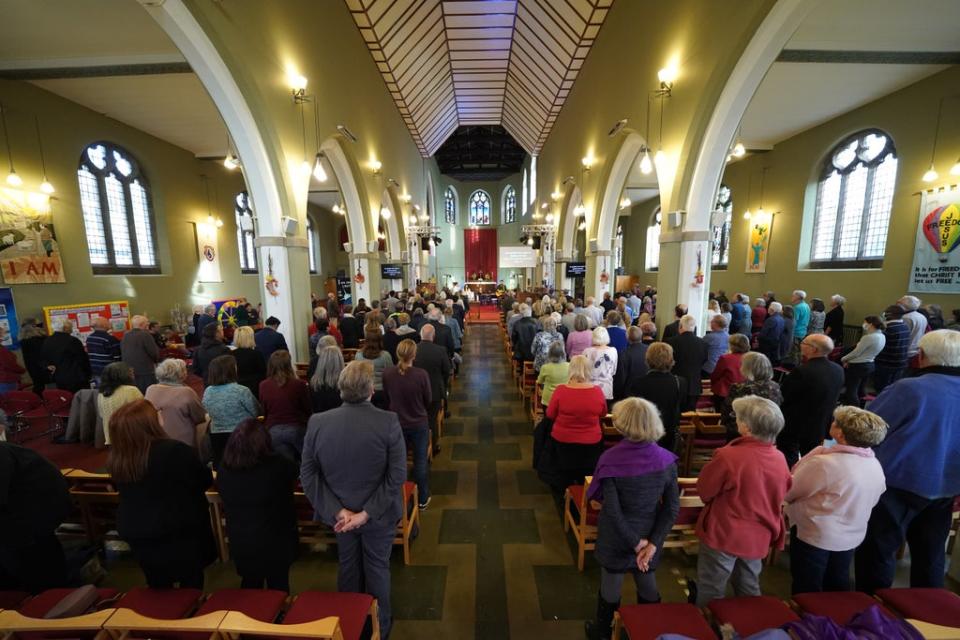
(449, 63)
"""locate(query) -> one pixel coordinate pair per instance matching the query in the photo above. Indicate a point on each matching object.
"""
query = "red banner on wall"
(480, 253)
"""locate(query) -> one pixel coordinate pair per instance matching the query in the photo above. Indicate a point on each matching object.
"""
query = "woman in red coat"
(727, 372)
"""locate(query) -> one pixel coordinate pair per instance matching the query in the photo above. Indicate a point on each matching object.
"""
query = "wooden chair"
(218, 522)
(302, 369)
(709, 436)
(24, 410)
(409, 520)
(581, 517)
(313, 614)
(349, 354)
(98, 501)
(536, 405)
(688, 432)
(127, 623)
(13, 623)
(682, 534)
(527, 381)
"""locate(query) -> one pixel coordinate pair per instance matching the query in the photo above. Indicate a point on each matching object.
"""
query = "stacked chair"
(32, 416)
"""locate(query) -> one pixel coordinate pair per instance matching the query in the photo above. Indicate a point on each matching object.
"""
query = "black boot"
(602, 628)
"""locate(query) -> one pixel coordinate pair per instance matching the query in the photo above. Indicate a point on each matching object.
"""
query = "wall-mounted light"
(549, 218)
(587, 162)
(667, 76)
(339, 209)
(406, 198)
(556, 195)
(739, 150)
(384, 212)
(375, 166)
(13, 179)
(231, 161)
(579, 210)
(582, 226)
(625, 202)
(298, 87)
(955, 169)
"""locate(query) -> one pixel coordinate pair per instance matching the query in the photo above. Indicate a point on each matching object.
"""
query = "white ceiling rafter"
(448, 63)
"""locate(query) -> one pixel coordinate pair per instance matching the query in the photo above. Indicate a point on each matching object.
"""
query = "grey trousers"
(715, 568)
(365, 566)
(611, 584)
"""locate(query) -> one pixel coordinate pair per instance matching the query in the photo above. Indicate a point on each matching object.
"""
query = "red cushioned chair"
(936, 606)
(649, 621)
(351, 608)
(260, 604)
(39, 606)
(57, 402)
(24, 409)
(751, 615)
(581, 517)
(840, 606)
(162, 604)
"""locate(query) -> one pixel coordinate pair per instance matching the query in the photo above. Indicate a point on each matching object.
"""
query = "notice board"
(8, 319)
(82, 315)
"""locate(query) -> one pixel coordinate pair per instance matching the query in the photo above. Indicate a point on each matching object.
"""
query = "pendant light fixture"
(646, 164)
(230, 161)
(760, 212)
(746, 214)
(214, 222)
(659, 155)
(13, 179)
(931, 173)
(319, 173)
(45, 186)
(306, 166)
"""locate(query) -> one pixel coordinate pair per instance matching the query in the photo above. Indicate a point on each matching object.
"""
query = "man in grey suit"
(353, 469)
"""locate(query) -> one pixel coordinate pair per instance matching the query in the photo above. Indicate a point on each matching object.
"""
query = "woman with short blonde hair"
(251, 365)
(636, 480)
(243, 338)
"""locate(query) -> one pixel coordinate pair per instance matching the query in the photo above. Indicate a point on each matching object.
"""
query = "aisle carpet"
(486, 314)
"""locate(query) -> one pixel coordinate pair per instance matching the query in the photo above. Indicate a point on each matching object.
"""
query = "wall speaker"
(373, 246)
(348, 247)
(289, 225)
(594, 245)
(674, 219)
(404, 256)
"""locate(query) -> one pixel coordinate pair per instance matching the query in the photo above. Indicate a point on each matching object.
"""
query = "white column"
(285, 288)
(683, 255)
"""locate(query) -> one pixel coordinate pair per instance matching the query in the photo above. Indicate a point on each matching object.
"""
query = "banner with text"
(29, 251)
(936, 258)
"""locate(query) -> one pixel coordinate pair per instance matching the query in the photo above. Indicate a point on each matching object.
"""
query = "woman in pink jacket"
(743, 489)
(834, 491)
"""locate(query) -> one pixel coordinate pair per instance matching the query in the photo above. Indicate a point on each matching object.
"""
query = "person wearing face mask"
(858, 364)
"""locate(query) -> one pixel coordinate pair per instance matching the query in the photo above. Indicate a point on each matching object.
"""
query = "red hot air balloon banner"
(936, 260)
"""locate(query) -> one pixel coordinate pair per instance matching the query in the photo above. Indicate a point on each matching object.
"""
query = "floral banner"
(29, 251)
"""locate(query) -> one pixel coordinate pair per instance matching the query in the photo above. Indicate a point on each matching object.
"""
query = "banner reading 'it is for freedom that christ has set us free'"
(936, 255)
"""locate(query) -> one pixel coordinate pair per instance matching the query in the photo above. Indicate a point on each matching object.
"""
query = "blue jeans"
(287, 439)
(814, 569)
(419, 439)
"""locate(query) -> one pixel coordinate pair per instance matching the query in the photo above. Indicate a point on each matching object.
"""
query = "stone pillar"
(560, 279)
(369, 265)
(677, 275)
(597, 263)
(285, 289)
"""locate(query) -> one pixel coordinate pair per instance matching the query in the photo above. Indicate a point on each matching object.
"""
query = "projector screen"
(518, 257)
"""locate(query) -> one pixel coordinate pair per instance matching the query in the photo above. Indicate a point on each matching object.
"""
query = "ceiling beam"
(104, 71)
(830, 56)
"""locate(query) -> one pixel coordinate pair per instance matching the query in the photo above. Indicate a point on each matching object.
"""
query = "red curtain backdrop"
(480, 252)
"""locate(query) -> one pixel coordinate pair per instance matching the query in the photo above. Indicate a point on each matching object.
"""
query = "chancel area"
(506, 319)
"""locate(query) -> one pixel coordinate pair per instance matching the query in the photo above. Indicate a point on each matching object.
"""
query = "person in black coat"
(810, 394)
(256, 485)
(32, 338)
(350, 328)
(34, 500)
(251, 367)
(522, 334)
(636, 481)
(664, 389)
(673, 329)
(833, 322)
(269, 339)
(163, 512)
(211, 347)
(433, 359)
(631, 365)
(689, 356)
(68, 359)
(327, 365)
(444, 334)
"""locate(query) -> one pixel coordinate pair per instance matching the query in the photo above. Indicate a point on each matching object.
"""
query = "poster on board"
(82, 315)
(936, 258)
(29, 250)
(759, 243)
(8, 319)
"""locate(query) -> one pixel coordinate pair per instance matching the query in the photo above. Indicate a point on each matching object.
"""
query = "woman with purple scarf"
(636, 481)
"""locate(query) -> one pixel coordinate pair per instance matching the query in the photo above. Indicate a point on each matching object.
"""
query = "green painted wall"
(178, 198)
(909, 117)
(635, 240)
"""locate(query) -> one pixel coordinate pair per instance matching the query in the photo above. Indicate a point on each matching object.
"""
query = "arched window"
(854, 199)
(653, 241)
(311, 245)
(533, 180)
(721, 232)
(479, 208)
(618, 251)
(117, 214)
(246, 233)
(509, 205)
(524, 201)
(450, 206)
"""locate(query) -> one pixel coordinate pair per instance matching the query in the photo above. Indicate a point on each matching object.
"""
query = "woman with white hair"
(178, 405)
(757, 373)
(771, 334)
(833, 322)
(636, 481)
(543, 340)
(603, 362)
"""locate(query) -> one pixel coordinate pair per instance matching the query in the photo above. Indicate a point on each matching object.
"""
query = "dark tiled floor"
(491, 560)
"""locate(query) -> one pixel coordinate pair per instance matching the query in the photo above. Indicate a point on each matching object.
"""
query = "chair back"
(57, 400)
(16, 402)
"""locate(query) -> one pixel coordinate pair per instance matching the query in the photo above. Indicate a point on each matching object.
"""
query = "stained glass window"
(117, 213)
(450, 206)
(509, 205)
(246, 232)
(479, 208)
(721, 232)
(854, 201)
